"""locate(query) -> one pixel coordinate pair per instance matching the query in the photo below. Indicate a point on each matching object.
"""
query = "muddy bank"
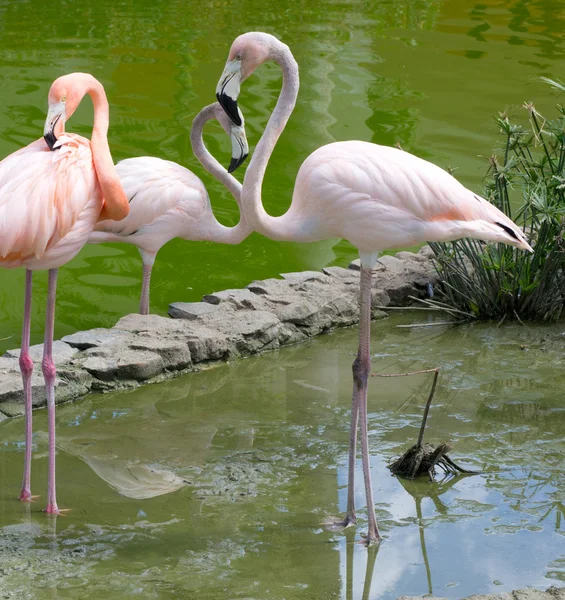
(225, 325)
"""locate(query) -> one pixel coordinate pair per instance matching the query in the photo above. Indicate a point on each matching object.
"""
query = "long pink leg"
(49, 373)
(26, 368)
(361, 370)
(350, 516)
(144, 304)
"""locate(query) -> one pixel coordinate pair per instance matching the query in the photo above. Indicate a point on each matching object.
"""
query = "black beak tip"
(230, 107)
(236, 162)
(50, 140)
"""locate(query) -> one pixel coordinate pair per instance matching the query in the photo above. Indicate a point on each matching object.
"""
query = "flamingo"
(168, 201)
(52, 192)
(376, 197)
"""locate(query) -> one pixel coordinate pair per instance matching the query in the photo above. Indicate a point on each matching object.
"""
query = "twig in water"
(423, 458)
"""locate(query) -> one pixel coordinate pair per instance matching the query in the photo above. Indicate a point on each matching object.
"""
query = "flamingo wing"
(392, 198)
(42, 196)
(157, 190)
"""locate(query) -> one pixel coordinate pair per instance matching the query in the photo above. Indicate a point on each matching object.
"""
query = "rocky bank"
(225, 325)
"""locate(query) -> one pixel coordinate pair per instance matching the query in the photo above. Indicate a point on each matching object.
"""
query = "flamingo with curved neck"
(374, 196)
(168, 201)
(52, 193)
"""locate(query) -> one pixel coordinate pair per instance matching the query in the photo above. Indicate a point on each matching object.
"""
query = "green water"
(427, 74)
(262, 447)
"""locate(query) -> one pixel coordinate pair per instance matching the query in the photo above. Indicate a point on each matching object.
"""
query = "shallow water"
(428, 74)
(217, 484)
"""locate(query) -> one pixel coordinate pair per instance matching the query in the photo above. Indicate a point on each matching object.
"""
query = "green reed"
(496, 281)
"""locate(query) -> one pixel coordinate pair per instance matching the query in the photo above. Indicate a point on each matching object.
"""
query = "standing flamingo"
(168, 201)
(52, 192)
(374, 196)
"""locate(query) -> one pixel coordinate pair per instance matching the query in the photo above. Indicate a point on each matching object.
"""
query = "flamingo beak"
(240, 147)
(227, 90)
(55, 121)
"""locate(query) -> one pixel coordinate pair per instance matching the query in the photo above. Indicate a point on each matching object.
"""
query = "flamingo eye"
(238, 56)
(64, 99)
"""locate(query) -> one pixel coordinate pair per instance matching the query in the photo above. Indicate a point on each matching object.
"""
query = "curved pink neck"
(116, 205)
(226, 235)
(285, 227)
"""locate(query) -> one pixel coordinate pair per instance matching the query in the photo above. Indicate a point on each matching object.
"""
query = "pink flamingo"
(168, 201)
(374, 196)
(52, 192)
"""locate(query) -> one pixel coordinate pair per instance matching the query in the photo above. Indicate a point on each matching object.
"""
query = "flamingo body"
(166, 201)
(49, 203)
(379, 197)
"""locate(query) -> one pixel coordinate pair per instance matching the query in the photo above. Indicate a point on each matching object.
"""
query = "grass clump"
(495, 281)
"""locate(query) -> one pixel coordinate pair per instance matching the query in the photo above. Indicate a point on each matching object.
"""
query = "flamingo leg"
(49, 372)
(361, 370)
(350, 516)
(144, 303)
(26, 368)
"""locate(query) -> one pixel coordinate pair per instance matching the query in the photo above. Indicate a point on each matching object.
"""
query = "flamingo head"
(64, 96)
(247, 52)
(239, 145)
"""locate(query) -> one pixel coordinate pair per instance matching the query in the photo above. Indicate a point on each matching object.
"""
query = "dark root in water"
(424, 458)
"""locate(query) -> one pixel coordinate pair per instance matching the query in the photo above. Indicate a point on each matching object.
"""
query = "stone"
(346, 275)
(62, 353)
(355, 265)
(301, 313)
(9, 365)
(379, 298)
(175, 354)
(238, 298)
(95, 337)
(191, 310)
(302, 276)
(249, 330)
(131, 364)
(271, 287)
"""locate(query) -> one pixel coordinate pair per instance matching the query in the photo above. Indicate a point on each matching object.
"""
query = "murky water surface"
(425, 73)
(217, 484)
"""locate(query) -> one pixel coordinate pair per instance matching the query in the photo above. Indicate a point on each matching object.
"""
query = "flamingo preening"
(52, 193)
(376, 197)
(168, 201)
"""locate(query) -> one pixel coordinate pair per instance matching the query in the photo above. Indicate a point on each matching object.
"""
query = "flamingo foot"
(53, 509)
(26, 496)
(371, 538)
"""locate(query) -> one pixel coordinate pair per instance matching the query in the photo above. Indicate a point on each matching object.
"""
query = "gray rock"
(62, 353)
(131, 364)
(301, 313)
(12, 392)
(426, 251)
(379, 298)
(95, 337)
(302, 276)
(249, 330)
(355, 265)
(238, 298)
(206, 344)
(191, 310)
(290, 334)
(271, 287)
(175, 354)
(9, 365)
(348, 276)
